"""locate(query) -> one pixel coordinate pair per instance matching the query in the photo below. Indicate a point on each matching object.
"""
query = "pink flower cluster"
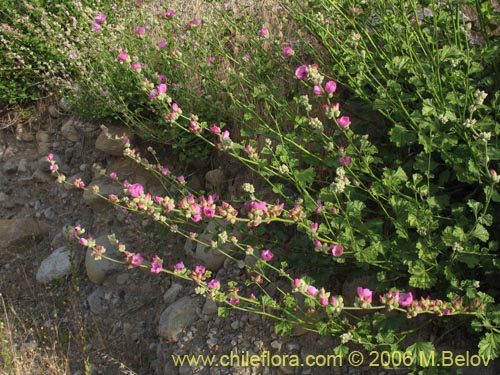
(197, 211)
(262, 212)
(98, 21)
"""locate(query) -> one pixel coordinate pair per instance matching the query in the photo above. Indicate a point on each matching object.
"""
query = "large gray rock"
(106, 187)
(176, 317)
(99, 270)
(215, 181)
(111, 146)
(171, 294)
(69, 131)
(19, 234)
(97, 301)
(55, 266)
(212, 258)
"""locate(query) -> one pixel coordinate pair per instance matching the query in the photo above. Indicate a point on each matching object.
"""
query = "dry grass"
(21, 350)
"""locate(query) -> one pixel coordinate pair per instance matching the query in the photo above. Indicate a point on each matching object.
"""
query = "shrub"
(411, 202)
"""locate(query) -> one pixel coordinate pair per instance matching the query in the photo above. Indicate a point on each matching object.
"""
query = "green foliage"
(411, 197)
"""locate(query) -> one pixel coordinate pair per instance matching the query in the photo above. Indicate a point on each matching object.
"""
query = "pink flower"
(405, 299)
(156, 265)
(344, 121)
(95, 27)
(337, 250)
(314, 227)
(214, 129)
(287, 51)
(301, 72)
(162, 88)
(317, 90)
(113, 197)
(136, 259)
(195, 22)
(296, 283)
(213, 284)
(267, 255)
(175, 107)
(170, 13)
(100, 19)
(179, 266)
(345, 161)
(181, 179)
(364, 294)
(113, 175)
(164, 171)
(136, 65)
(49, 157)
(123, 56)
(330, 87)
(83, 241)
(136, 190)
(162, 78)
(323, 301)
(140, 30)
(153, 94)
(234, 300)
(320, 207)
(161, 44)
(208, 212)
(263, 32)
(199, 269)
(312, 290)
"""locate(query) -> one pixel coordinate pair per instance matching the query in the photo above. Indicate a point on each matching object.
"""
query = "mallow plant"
(410, 200)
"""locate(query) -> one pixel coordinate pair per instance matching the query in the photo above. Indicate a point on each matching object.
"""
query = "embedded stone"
(111, 146)
(55, 266)
(212, 258)
(69, 132)
(99, 270)
(20, 234)
(177, 317)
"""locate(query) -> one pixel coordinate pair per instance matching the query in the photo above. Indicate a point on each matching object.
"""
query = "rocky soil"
(124, 321)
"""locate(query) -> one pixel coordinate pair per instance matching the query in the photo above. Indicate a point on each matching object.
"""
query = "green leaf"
(489, 346)
(401, 137)
(304, 177)
(428, 107)
(480, 232)
(222, 311)
(420, 276)
(341, 350)
(422, 353)
(283, 328)
(474, 206)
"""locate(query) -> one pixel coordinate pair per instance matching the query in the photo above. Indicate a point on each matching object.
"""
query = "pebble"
(96, 301)
(212, 342)
(209, 308)
(122, 278)
(49, 213)
(276, 344)
(235, 325)
(292, 346)
(55, 266)
(22, 167)
(172, 293)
